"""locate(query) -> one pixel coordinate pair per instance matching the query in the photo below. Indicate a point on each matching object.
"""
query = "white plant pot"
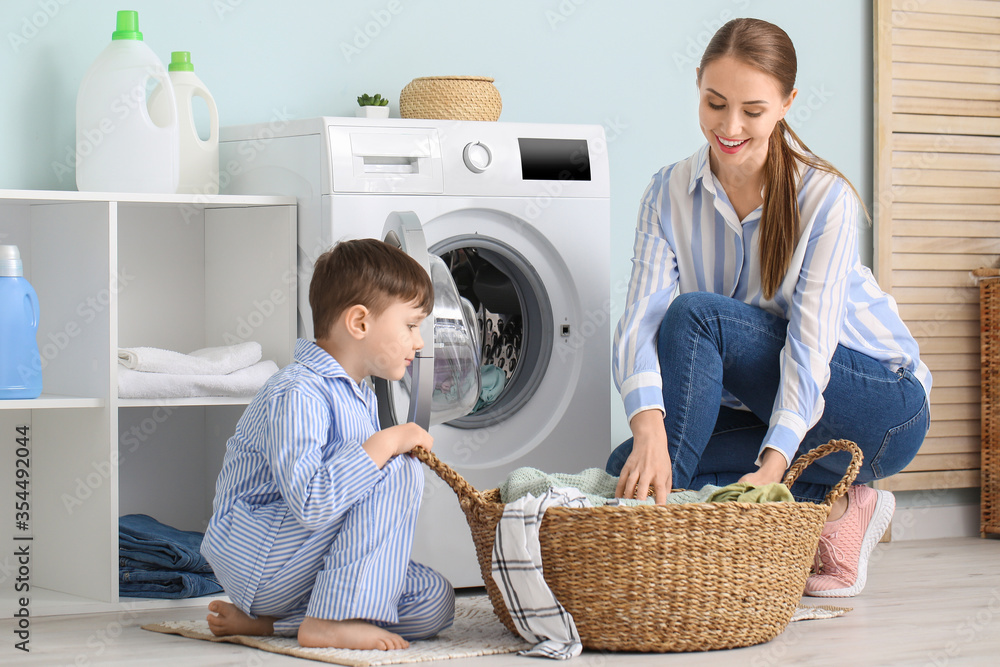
(373, 112)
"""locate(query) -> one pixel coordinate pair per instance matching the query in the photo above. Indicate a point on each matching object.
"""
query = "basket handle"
(465, 492)
(819, 452)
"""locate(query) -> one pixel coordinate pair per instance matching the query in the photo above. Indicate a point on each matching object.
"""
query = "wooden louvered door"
(937, 206)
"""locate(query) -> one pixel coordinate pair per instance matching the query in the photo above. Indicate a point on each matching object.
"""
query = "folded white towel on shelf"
(206, 361)
(244, 382)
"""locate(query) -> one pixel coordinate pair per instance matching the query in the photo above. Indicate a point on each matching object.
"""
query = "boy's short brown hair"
(368, 272)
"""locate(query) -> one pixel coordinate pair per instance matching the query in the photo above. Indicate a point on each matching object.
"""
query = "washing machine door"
(443, 383)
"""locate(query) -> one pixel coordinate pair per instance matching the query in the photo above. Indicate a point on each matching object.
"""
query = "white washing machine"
(520, 213)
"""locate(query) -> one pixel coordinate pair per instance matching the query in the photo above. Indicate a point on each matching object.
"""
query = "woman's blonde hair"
(767, 47)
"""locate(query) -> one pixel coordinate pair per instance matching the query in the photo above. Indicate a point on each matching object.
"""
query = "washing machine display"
(518, 216)
(554, 159)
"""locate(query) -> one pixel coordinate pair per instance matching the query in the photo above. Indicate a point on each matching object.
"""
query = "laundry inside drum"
(502, 291)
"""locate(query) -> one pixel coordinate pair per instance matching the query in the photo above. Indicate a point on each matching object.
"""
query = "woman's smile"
(730, 145)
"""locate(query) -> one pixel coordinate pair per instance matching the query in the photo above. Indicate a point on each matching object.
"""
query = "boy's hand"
(395, 440)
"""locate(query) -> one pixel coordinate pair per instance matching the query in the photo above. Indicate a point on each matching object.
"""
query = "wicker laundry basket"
(667, 578)
(989, 338)
(450, 98)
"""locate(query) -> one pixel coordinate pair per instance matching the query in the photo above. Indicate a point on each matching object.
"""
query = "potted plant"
(373, 107)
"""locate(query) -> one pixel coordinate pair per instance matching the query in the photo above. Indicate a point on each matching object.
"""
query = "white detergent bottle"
(118, 146)
(199, 158)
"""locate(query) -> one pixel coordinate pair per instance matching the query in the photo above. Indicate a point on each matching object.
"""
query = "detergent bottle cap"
(180, 61)
(128, 26)
(10, 262)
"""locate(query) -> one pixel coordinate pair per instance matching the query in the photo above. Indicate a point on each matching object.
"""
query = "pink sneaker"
(845, 544)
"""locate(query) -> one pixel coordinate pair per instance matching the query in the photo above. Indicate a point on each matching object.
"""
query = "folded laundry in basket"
(741, 492)
(244, 382)
(596, 484)
(206, 361)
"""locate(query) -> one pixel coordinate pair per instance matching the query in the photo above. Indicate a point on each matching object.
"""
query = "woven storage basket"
(667, 578)
(989, 338)
(450, 98)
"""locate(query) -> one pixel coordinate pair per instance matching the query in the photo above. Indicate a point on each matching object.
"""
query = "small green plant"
(368, 101)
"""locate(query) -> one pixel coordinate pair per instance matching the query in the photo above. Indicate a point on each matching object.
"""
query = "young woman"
(752, 332)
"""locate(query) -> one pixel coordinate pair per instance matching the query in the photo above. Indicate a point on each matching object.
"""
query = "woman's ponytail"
(779, 220)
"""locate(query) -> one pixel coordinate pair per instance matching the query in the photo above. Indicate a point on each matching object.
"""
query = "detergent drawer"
(379, 161)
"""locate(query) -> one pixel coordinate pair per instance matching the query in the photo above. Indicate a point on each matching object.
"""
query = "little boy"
(314, 508)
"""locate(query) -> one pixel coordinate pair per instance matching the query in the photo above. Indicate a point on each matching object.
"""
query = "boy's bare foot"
(322, 633)
(228, 619)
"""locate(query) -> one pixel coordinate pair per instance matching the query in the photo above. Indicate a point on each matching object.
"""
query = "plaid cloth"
(517, 571)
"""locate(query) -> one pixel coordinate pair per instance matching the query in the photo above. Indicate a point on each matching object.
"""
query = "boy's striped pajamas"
(304, 522)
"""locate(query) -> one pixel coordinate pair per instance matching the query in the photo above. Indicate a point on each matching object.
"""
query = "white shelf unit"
(112, 270)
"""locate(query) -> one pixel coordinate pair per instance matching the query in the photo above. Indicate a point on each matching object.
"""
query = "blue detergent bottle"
(20, 363)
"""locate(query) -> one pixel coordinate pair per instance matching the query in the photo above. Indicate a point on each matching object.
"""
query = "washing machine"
(520, 216)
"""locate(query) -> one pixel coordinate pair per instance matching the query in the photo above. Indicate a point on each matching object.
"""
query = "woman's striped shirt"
(688, 238)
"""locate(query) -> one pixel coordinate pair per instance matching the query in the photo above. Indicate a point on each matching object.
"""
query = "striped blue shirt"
(689, 239)
(296, 453)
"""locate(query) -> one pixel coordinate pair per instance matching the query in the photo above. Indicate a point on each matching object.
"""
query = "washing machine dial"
(477, 157)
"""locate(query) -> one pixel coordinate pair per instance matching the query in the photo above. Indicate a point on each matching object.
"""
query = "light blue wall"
(626, 64)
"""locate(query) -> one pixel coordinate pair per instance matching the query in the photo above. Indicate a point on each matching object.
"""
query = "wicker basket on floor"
(667, 578)
(989, 338)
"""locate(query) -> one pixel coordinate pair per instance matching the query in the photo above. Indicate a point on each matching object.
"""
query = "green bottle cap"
(128, 26)
(180, 61)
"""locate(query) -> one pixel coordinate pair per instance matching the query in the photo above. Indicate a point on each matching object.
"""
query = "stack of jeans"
(159, 561)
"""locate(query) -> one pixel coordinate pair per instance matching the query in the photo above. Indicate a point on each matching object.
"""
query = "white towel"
(206, 361)
(517, 571)
(244, 382)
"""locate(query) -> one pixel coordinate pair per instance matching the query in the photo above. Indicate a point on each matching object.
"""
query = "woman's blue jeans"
(708, 342)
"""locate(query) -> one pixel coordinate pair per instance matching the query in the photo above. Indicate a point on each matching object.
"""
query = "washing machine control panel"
(477, 157)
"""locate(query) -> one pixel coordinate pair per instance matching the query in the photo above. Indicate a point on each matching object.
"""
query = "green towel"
(492, 381)
(741, 492)
(596, 484)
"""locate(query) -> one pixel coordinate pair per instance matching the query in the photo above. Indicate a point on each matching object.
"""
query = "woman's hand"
(649, 463)
(771, 470)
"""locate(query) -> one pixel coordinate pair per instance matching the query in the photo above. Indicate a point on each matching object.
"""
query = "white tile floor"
(929, 603)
